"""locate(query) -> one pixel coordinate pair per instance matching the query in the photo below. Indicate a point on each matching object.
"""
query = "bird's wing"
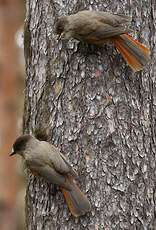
(113, 19)
(58, 161)
(102, 32)
(72, 171)
(106, 31)
(96, 25)
(51, 175)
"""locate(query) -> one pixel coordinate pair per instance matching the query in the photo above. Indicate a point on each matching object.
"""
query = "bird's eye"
(59, 29)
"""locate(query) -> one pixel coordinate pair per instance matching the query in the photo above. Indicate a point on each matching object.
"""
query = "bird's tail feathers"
(76, 200)
(136, 54)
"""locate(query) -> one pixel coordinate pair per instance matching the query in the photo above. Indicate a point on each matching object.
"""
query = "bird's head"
(62, 28)
(20, 144)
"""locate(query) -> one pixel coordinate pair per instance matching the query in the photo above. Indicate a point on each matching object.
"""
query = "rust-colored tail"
(76, 200)
(136, 54)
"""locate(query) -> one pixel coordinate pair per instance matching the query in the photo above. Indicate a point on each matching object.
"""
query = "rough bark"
(101, 115)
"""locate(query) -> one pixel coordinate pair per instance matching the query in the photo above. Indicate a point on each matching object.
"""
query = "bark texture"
(100, 114)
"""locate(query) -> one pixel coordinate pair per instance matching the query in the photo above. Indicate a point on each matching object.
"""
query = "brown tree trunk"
(101, 115)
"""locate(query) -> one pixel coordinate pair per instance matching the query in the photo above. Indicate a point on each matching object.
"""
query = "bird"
(46, 161)
(99, 28)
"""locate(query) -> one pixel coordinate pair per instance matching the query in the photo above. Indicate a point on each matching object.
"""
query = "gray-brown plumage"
(44, 160)
(99, 28)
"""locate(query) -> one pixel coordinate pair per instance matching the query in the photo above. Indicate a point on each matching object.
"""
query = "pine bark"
(101, 115)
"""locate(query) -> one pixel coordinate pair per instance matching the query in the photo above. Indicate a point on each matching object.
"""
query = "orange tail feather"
(76, 200)
(136, 54)
(144, 48)
(73, 211)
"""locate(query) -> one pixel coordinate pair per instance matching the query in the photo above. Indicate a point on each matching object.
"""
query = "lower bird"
(46, 161)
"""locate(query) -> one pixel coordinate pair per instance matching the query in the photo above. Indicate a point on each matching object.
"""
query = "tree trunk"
(101, 115)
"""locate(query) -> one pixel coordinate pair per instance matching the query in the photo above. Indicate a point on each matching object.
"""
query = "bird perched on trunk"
(99, 28)
(46, 161)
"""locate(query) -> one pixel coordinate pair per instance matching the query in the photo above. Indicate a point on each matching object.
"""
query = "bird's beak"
(11, 154)
(59, 36)
(63, 36)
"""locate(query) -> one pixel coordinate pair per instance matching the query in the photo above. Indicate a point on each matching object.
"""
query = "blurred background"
(11, 107)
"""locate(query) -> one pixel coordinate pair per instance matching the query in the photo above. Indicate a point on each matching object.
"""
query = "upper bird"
(99, 28)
